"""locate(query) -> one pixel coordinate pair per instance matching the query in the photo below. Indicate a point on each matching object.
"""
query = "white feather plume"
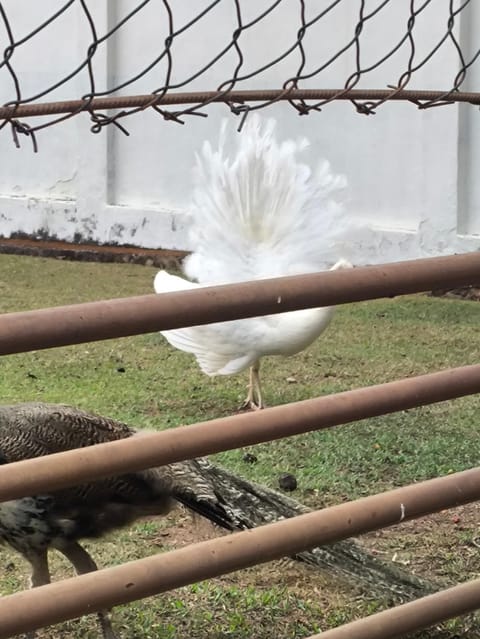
(260, 212)
(256, 214)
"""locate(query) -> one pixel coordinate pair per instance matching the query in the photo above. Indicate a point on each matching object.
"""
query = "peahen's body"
(33, 525)
(258, 215)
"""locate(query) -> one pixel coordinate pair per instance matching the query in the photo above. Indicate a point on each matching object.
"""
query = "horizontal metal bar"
(233, 97)
(412, 616)
(47, 328)
(73, 467)
(56, 602)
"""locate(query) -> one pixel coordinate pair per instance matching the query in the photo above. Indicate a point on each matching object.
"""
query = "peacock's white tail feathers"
(211, 344)
(341, 265)
(258, 211)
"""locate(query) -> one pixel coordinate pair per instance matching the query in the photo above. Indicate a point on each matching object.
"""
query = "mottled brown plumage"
(28, 430)
(33, 525)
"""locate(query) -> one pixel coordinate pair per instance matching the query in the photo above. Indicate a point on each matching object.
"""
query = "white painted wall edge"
(111, 224)
(166, 229)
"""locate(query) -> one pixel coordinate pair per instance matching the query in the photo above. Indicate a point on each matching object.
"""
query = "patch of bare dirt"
(161, 258)
(303, 579)
(464, 293)
(442, 547)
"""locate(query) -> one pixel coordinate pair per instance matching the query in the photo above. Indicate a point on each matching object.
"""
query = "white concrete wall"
(411, 173)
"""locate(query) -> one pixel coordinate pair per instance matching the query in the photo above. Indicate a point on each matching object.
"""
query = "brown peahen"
(34, 525)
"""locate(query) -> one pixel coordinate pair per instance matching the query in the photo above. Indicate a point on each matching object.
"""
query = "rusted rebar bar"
(69, 468)
(412, 616)
(60, 326)
(231, 97)
(56, 602)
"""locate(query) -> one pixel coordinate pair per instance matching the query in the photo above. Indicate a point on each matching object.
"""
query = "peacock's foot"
(250, 404)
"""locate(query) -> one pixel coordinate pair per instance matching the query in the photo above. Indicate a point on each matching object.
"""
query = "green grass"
(145, 382)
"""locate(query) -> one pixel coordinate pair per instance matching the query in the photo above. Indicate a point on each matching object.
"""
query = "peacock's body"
(256, 215)
(34, 525)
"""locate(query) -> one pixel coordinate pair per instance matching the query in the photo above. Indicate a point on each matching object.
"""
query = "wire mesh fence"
(113, 60)
(115, 56)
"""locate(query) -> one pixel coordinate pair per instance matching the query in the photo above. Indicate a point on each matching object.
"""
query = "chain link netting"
(362, 47)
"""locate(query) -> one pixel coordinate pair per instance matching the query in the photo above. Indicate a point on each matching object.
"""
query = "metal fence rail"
(196, 562)
(412, 616)
(115, 318)
(234, 97)
(69, 468)
(47, 328)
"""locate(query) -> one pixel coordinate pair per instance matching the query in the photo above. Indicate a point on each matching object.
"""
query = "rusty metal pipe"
(237, 97)
(72, 467)
(412, 616)
(47, 328)
(56, 602)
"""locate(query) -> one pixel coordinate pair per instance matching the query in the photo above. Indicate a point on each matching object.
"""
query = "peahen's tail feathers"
(193, 485)
(259, 212)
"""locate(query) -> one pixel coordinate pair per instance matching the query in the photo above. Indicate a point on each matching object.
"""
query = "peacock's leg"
(254, 398)
(83, 563)
(40, 575)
